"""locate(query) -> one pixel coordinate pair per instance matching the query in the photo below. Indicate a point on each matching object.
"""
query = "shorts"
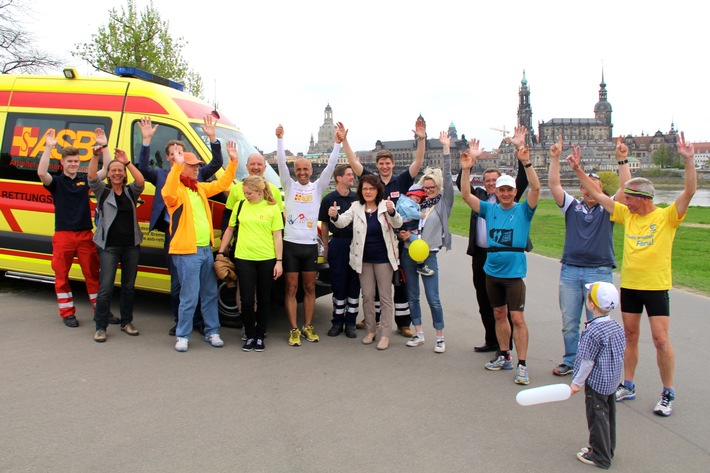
(657, 303)
(506, 291)
(300, 258)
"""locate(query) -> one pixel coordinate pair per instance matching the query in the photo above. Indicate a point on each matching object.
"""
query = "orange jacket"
(182, 229)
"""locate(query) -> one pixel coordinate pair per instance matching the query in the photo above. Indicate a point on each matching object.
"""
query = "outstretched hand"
(101, 138)
(444, 138)
(420, 129)
(121, 157)
(556, 149)
(518, 139)
(232, 150)
(147, 128)
(50, 139)
(341, 134)
(685, 149)
(467, 159)
(575, 159)
(210, 128)
(279, 131)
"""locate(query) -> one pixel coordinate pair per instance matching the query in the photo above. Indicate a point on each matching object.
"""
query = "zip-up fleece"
(177, 200)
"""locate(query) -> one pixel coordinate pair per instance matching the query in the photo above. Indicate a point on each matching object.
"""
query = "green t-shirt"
(257, 224)
(236, 194)
(199, 217)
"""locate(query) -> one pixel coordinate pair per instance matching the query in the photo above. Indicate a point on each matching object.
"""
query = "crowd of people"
(267, 237)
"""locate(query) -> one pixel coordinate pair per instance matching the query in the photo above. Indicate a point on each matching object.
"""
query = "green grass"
(691, 263)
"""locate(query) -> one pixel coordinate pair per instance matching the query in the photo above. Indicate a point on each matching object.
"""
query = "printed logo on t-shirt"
(501, 236)
(301, 220)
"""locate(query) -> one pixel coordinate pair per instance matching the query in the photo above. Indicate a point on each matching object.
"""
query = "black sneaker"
(350, 331)
(249, 345)
(71, 321)
(112, 319)
(259, 346)
(335, 330)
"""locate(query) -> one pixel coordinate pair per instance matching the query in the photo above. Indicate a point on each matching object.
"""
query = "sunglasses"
(591, 174)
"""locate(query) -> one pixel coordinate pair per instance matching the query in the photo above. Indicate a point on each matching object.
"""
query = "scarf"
(189, 183)
(430, 202)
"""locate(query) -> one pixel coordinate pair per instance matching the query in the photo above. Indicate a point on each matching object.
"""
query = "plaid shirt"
(602, 342)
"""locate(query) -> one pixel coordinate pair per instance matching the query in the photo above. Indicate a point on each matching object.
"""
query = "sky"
(379, 64)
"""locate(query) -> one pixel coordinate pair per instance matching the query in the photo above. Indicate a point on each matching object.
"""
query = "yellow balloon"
(418, 250)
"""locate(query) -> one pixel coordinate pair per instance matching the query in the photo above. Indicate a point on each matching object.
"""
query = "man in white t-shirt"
(300, 253)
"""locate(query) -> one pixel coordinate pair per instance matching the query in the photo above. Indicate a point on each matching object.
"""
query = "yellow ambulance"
(75, 106)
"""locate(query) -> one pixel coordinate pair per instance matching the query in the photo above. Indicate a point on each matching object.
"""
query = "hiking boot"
(521, 375)
(664, 407)
(622, 392)
(335, 330)
(500, 363)
(294, 338)
(309, 333)
(100, 336)
(181, 344)
(425, 270)
(350, 332)
(71, 321)
(562, 370)
(130, 330)
(215, 340)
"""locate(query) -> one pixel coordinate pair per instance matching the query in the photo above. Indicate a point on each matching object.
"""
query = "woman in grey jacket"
(373, 251)
(434, 229)
(117, 236)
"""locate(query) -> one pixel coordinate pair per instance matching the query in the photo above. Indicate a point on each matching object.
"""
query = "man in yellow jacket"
(192, 238)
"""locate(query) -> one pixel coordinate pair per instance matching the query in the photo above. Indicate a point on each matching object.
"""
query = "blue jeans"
(109, 258)
(198, 285)
(572, 295)
(431, 289)
(175, 287)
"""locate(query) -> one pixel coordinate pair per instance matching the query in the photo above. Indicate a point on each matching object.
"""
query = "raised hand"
(575, 159)
(390, 206)
(474, 149)
(232, 150)
(523, 154)
(518, 139)
(341, 133)
(279, 131)
(622, 151)
(556, 149)
(467, 159)
(121, 157)
(420, 129)
(147, 128)
(685, 149)
(49, 139)
(444, 138)
(209, 128)
(333, 210)
(101, 138)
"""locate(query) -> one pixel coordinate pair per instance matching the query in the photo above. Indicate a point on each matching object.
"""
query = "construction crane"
(502, 130)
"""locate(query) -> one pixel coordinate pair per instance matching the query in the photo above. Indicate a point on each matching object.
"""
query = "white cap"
(505, 180)
(604, 295)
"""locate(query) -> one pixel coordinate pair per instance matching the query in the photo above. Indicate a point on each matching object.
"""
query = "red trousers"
(65, 245)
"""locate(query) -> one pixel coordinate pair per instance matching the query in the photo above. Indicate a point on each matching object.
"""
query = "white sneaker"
(181, 344)
(440, 346)
(415, 341)
(214, 340)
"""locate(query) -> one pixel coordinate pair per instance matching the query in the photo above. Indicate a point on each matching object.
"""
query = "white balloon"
(549, 393)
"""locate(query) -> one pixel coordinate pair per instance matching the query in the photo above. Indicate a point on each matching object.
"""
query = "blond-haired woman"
(258, 253)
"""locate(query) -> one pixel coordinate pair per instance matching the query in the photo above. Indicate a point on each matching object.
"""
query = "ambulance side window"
(162, 136)
(23, 142)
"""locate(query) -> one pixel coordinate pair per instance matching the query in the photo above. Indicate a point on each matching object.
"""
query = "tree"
(16, 51)
(139, 39)
(665, 157)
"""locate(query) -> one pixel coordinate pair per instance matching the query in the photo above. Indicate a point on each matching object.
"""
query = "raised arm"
(102, 140)
(468, 159)
(50, 141)
(138, 179)
(284, 173)
(558, 193)
(420, 131)
(353, 160)
(448, 190)
(622, 153)
(534, 193)
(210, 129)
(575, 162)
(687, 151)
(147, 130)
(91, 172)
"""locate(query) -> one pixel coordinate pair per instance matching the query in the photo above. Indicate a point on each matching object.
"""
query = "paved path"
(69, 404)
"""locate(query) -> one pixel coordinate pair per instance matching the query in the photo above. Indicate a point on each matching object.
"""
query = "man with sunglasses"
(646, 268)
(588, 254)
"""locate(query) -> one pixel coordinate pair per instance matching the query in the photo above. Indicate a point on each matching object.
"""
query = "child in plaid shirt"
(598, 368)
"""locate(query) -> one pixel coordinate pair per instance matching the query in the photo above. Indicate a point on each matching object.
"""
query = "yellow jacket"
(182, 229)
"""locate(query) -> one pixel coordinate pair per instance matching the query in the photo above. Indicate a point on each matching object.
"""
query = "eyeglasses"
(368, 189)
(591, 174)
(429, 188)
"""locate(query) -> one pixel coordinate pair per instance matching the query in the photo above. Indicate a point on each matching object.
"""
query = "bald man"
(300, 243)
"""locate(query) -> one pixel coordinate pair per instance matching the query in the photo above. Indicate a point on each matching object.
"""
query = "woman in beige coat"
(373, 252)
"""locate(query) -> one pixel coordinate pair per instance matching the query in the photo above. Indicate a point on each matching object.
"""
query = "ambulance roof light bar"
(124, 71)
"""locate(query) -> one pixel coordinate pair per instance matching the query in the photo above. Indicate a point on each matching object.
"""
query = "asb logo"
(26, 142)
(24, 139)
